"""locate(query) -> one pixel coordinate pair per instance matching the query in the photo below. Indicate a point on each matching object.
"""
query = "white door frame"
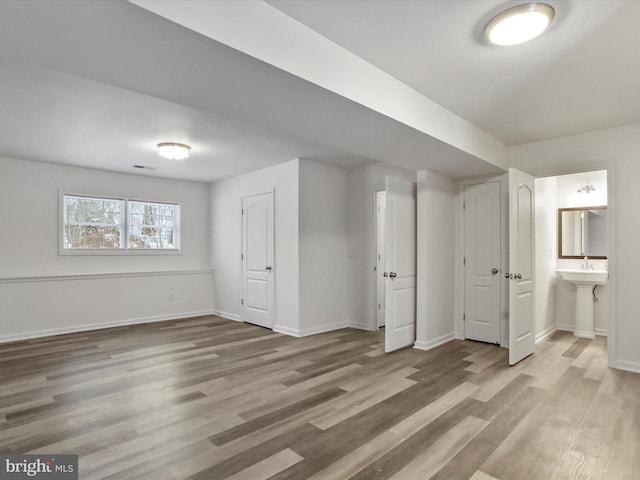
(504, 259)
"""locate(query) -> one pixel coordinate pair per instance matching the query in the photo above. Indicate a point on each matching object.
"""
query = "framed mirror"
(583, 231)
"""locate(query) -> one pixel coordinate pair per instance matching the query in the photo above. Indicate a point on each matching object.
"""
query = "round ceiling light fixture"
(519, 24)
(173, 150)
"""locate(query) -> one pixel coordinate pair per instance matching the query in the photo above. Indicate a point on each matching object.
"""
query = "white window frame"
(124, 249)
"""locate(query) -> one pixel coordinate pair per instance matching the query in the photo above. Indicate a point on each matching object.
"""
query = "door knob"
(508, 275)
(392, 274)
(385, 274)
(494, 271)
(518, 276)
(268, 268)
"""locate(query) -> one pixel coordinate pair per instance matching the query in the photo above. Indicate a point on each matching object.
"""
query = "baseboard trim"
(310, 331)
(360, 326)
(323, 329)
(542, 336)
(628, 366)
(292, 332)
(567, 327)
(227, 315)
(428, 345)
(16, 337)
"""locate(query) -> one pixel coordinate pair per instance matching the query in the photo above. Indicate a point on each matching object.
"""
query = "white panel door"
(400, 263)
(380, 296)
(521, 266)
(482, 248)
(257, 260)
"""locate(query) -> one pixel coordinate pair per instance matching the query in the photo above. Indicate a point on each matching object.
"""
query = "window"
(92, 224)
(152, 225)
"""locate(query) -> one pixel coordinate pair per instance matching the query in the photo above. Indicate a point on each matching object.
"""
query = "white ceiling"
(99, 83)
(582, 75)
(91, 124)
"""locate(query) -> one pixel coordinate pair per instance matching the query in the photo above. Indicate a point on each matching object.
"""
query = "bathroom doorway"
(555, 298)
(573, 232)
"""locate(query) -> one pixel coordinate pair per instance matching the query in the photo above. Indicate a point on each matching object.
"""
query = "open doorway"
(573, 221)
(555, 299)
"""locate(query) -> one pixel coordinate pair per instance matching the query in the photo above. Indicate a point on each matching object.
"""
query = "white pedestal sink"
(584, 280)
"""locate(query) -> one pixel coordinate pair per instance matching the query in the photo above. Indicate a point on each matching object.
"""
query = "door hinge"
(242, 301)
(242, 213)
(464, 205)
(242, 256)
(464, 317)
(464, 260)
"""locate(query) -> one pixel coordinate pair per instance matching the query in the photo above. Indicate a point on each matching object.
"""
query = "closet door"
(257, 260)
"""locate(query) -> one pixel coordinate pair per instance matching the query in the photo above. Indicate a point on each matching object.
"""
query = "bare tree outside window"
(91, 223)
(152, 225)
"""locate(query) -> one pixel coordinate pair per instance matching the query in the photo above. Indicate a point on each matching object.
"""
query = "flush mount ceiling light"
(173, 150)
(519, 24)
(586, 189)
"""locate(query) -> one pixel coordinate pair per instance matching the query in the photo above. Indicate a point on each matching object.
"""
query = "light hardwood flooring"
(208, 398)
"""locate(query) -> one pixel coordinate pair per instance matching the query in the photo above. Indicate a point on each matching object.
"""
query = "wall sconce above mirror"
(583, 232)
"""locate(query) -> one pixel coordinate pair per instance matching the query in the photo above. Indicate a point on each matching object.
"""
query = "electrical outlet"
(171, 296)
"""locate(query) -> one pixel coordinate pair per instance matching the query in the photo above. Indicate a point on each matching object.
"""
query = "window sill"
(108, 252)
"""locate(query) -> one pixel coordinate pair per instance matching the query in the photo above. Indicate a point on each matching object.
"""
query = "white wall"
(226, 241)
(323, 247)
(546, 255)
(42, 292)
(617, 150)
(362, 183)
(310, 258)
(435, 260)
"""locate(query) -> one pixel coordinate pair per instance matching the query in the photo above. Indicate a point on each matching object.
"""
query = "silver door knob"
(508, 275)
(392, 274)
(494, 271)
(268, 268)
(518, 276)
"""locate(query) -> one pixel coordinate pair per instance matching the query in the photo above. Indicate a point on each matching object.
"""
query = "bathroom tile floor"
(210, 398)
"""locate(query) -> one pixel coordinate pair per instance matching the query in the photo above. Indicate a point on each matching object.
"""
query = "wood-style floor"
(208, 398)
